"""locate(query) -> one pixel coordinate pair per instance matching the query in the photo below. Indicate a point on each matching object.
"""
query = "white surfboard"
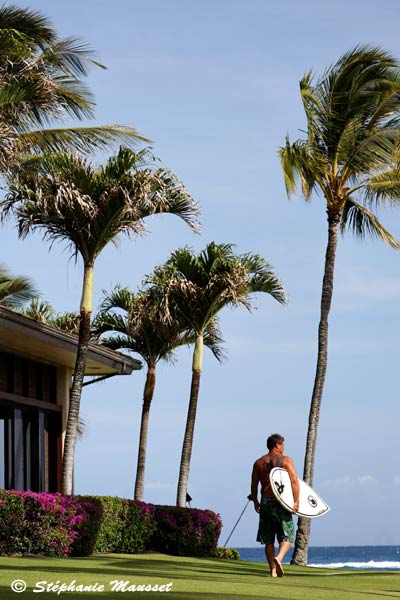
(311, 504)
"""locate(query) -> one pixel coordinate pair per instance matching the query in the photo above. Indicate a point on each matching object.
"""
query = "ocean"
(339, 557)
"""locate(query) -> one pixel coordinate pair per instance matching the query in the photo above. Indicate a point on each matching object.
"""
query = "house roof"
(27, 337)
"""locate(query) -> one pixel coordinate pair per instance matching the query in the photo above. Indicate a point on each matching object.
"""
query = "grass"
(193, 579)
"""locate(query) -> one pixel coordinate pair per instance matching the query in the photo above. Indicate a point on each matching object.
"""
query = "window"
(30, 425)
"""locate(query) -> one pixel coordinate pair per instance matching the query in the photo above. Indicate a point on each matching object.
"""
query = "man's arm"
(254, 488)
(289, 466)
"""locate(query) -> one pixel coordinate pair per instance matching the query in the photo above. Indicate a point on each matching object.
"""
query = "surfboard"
(311, 504)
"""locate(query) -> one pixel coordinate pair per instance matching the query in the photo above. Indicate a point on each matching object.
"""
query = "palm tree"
(15, 290)
(86, 207)
(350, 157)
(137, 324)
(41, 86)
(42, 311)
(68, 321)
(196, 288)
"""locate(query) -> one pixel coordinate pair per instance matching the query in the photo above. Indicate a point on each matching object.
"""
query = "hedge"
(186, 531)
(57, 525)
(110, 524)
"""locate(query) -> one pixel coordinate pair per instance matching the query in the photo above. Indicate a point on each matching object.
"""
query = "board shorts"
(274, 521)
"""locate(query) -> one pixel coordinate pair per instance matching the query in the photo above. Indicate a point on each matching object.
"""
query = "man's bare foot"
(273, 573)
(279, 568)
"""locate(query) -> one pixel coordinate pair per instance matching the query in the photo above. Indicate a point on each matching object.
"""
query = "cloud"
(363, 291)
(346, 482)
(353, 346)
(308, 346)
(339, 482)
(248, 345)
(367, 480)
(158, 485)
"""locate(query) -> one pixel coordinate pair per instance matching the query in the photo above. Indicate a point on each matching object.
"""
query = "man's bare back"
(261, 470)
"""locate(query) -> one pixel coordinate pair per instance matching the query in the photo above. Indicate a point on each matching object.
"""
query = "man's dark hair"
(274, 440)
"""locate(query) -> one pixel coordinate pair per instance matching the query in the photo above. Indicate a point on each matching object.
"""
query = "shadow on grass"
(176, 567)
(179, 569)
(7, 594)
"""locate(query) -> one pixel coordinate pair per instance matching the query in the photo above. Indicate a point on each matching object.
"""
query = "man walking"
(274, 519)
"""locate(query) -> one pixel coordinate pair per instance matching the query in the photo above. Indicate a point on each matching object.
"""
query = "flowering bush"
(186, 531)
(90, 511)
(32, 523)
(57, 525)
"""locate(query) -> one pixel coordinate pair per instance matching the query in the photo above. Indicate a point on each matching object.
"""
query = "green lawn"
(193, 579)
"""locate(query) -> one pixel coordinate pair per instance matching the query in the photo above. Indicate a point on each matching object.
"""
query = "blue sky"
(215, 85)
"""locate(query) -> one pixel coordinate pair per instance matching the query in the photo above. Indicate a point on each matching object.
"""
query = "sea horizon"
(332, 546)
(371, 557)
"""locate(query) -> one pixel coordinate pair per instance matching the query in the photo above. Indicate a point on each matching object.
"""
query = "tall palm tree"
(41, 86)
(196, 288)
(15, 291)
(350, 157)
(137, 323)
(86, 207)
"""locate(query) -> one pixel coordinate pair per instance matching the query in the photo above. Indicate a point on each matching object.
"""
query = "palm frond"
(119, 298)
(70, 55)
(81, 139)
(40, 310)
(363, 222)
(106, 322)
(31, 24)
(368, 155)
(262, 278)
(300, 164)
(15, 290)
(384, 187)
(122, 342)
(165, 194)
(68, 321)
(81, 428)
(214, 341)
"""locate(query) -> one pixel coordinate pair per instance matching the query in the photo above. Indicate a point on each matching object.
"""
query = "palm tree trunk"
(76, 390)
(303, 528)
(190, 422)
(144, 425)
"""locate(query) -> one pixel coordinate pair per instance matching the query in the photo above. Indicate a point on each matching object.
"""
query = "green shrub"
(113, 524)
(139, 526)
(227, 553)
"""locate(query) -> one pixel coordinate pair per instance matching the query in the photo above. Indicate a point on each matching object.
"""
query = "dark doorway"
(28, 449)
